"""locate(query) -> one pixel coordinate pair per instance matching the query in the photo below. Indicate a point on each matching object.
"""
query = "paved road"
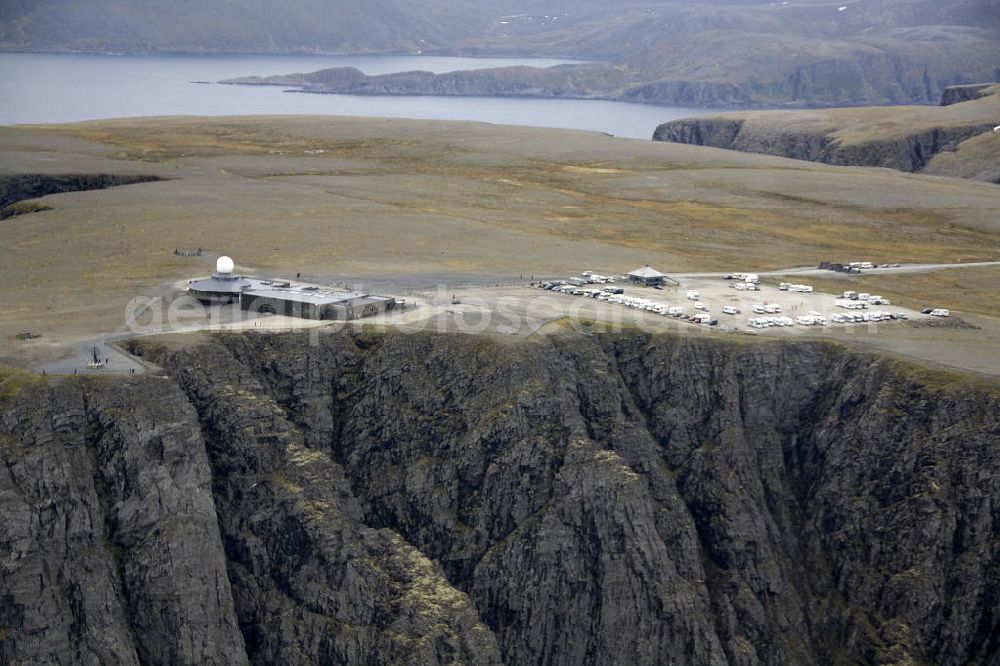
(116, 361)
(811, 270)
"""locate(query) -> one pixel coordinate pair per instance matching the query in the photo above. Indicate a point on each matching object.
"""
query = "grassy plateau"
(334, 196)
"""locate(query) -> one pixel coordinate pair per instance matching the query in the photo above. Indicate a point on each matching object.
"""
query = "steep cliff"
(394, 498)
(911, 152)
(966, 93)
(903, 138)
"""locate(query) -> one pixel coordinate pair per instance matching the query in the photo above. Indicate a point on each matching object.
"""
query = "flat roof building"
(284, 297)
(313, 302)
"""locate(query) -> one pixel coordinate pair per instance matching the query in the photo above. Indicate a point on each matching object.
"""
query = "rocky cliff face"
(911, 152)
(904, 139)
(393, 498)
(957, 94)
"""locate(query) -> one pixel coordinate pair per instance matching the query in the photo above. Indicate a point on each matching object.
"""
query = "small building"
(649, 277)
(223, 286)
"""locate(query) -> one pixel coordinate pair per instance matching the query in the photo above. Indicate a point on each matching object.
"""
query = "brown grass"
(965, 289)
(863, 125)
(15, 380)
(397, 197)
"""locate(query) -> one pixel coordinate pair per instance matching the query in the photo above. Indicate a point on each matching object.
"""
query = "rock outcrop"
(15, 188)
(967, 93)
(111, 547)
(378, 498)
(562, 81)
(911, 152)
(907, 139)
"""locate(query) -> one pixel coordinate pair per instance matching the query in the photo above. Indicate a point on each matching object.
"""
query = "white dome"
(224, 265)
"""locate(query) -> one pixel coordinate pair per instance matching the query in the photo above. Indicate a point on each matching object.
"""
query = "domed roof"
(225, 265)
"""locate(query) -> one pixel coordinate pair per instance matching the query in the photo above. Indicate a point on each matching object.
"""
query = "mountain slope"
(680, 52)
(601, 499)
(259, 26)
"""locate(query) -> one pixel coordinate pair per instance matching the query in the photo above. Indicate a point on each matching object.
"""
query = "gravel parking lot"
(717, 297)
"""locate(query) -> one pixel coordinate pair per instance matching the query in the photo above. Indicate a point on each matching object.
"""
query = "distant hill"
(705, 52)
(955, 139)
(232, 26)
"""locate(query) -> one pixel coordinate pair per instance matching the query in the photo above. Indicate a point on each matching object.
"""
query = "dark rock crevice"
(909, 153)
(21, 187)
(108, 535)
(849, 139)
(966, 93)
(117, 550)
(311, 580)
